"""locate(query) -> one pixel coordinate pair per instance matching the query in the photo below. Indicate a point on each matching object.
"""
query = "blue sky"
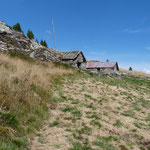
(118, 30)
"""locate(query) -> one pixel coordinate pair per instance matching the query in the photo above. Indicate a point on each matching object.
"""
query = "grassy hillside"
(50, 106)
(137, 73)
(26, 89)
(95, 113)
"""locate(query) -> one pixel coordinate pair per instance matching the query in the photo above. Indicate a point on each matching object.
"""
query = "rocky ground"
(11, 40)
(98, 114)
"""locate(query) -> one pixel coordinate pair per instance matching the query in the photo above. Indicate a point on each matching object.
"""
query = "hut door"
(78, 64)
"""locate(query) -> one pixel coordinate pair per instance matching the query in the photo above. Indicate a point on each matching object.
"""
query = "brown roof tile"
(100, 64)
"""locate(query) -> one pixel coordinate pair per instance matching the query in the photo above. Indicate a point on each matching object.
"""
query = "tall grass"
(25, 97)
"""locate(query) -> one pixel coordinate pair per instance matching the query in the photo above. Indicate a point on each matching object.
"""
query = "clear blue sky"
(118, 30)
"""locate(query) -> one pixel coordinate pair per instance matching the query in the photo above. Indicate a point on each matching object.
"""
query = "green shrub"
(9, 119)
(96, 123)
(19, 142)
(118, 123)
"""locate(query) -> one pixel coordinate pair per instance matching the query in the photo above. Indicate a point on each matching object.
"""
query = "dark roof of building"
(92, 65)
(71, 54)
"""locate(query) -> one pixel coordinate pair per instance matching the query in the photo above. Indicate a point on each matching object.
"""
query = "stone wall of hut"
(104, 70)
(78, 62)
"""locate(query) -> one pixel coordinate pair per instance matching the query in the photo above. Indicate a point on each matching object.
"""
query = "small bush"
(118, 123)
(9, 119)
(55, 123)
(96, 123)
(19, 142)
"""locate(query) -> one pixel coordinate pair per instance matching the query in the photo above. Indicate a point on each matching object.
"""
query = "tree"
(107, 60)
(17, 27)
(30, 34)
(43, 43)
(130, 68)
(37, 40)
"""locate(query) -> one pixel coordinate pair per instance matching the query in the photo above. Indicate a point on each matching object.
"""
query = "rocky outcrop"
(11, 40)
(47, 54)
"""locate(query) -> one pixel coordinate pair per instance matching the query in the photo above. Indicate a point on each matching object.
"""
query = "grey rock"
(11, 40)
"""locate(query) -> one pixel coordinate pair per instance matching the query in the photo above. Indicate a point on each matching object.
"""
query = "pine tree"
(17, 27)
(30, 34)
(130, 68)
(43, 43)
(37, 40)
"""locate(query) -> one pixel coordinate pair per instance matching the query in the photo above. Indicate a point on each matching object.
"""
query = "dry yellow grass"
(138, 73)
(25, 96)
(36, 73)
(26, 74)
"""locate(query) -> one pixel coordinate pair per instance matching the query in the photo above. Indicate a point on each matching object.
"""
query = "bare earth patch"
(94, 114)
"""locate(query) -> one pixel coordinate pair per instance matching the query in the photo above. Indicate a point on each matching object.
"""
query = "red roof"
(100, 64)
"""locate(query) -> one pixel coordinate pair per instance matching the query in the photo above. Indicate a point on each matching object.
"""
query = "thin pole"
(54, 34)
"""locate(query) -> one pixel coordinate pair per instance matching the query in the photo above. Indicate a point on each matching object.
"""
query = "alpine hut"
(74, 58)
(98, 66)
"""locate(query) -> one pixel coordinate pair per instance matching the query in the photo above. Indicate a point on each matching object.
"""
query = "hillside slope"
(95, 113)
(26, 89)
(11, 40)
(79, 111)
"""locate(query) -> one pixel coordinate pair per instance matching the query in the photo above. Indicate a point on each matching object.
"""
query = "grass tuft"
(26, 88)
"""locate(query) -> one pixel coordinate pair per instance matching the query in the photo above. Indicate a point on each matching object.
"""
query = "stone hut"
(74, 58)
(106, 67)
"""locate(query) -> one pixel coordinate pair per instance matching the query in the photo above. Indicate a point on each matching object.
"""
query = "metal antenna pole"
(54, 34)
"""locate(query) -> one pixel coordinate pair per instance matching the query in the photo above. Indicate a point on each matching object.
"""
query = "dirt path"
(91, 114)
